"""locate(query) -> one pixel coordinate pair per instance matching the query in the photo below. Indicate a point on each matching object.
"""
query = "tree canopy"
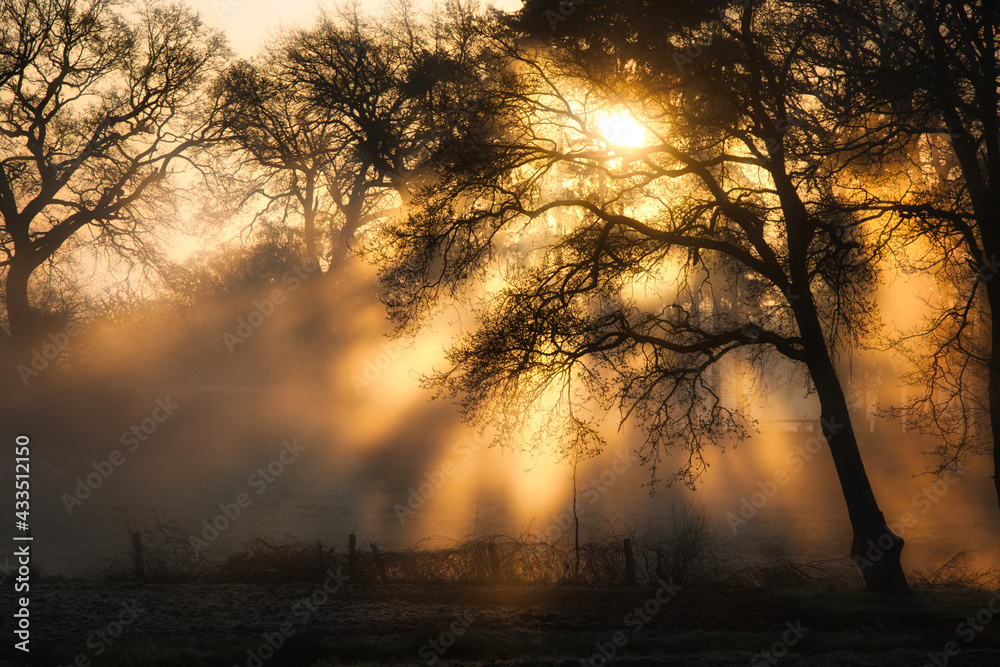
(97, 111)
(671, 212)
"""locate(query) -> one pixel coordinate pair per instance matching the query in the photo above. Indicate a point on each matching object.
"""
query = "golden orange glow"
(657, 287)
(181, 247)
(620, 128)
(384, 460)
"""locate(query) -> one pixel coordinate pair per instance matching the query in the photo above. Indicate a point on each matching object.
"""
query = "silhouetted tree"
(95, 109)
(634, 261)
(338, 118)
(913, 90)
(239, 272)
(279, 145)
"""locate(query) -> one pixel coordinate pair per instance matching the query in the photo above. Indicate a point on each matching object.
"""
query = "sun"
(620, 128)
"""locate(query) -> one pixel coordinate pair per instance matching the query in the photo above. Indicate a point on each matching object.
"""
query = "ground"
(236, 624)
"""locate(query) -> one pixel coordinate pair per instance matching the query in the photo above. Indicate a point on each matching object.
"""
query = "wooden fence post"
(140, 565)
(629, 562)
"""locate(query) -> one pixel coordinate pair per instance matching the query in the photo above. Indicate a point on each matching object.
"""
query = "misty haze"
(485, 333)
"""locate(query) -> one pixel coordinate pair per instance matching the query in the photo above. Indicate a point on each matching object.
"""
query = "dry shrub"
(959, 571)
(278, 560)
(689, 553)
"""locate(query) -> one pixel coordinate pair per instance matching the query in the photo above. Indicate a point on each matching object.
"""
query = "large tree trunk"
(310, 208)
(995, 400)
(341, 237)
(309, 235)
(875, 549)
(22, 323)
(993, 294)
(21, 318)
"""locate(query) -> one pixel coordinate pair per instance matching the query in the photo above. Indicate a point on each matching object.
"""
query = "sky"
(248, 22)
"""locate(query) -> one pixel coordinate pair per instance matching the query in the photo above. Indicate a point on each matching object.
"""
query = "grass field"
(494, 600)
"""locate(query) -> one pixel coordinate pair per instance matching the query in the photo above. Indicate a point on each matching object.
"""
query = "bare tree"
(636, 181)
(279, 145)
(336, 120)
(95, 111)
(918, 100)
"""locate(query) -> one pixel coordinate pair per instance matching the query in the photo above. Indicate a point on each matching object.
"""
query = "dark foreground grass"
(527, 602)
(698, 627)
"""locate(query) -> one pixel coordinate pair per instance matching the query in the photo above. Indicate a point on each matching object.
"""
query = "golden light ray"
(620, 128)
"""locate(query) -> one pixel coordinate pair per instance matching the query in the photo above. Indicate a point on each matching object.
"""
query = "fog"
(321, 420)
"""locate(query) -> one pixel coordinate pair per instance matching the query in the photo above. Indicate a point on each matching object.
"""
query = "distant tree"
(335, 120)
(636, 210)
(95, 111)
(279, 145)
(238, 272)
(917, 99)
